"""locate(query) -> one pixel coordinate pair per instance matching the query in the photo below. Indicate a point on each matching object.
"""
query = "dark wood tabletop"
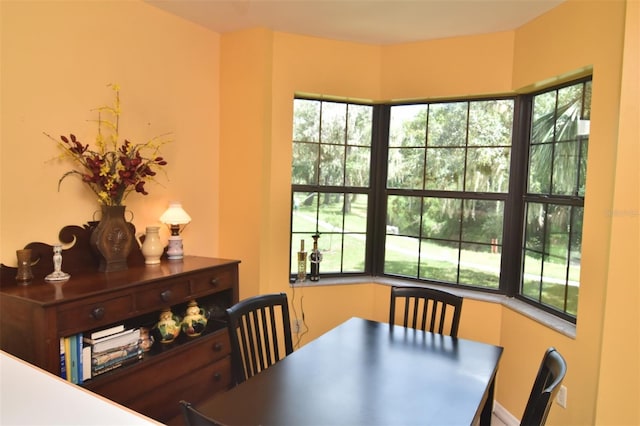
(368, 373)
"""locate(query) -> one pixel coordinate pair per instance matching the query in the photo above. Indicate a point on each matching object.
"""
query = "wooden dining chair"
(426, 309)
(193, 417)
(547, 384)
(260, 334)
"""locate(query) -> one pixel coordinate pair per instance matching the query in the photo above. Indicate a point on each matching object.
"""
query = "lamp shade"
(175, 215)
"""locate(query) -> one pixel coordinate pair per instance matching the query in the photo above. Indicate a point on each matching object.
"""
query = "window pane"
(359, 119)
(401, 256)
(305, 164)
(439, 261)
(540, 169)
(543, 120)
(488, 169)
(330, 217)
(358, 169)
(569, 112)
(441, 218)
(491, 123)
(306, 120)
(479, 266)
(405, 168)
(582, 177)
(565, 168)
(408, 125)
(551, 255)
(354, 253)
(403, 215)
(332, 165)
(534, 227)
(447, 124)
(304, 216)
(445, 169)
(482, 222)
(330, 244)
(355, 218)
(334, 119)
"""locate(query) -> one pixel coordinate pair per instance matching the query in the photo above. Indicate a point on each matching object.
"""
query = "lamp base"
(175, 250)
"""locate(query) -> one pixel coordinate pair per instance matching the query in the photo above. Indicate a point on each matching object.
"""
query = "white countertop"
(32, 396)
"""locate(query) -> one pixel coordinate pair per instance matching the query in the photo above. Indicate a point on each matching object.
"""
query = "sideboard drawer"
(219, 347)
(192, 387)
(164, 293)
(221, 279)
(94, 314)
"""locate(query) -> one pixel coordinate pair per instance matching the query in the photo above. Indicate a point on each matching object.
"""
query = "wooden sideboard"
(35, 316)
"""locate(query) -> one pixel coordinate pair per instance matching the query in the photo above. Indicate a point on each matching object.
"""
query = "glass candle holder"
(24, 274)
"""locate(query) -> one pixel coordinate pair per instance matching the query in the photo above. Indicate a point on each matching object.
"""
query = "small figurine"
(57, 275)
(146, 339)
(168, 327)
(194, 321)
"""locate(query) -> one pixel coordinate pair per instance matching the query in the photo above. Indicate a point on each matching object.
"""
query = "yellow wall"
(230, 165)
(498, 63)
(57, 59)
(621, 325)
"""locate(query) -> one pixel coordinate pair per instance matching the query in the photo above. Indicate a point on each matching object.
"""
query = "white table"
(32, 396)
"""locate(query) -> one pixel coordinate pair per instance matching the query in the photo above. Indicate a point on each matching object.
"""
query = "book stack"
(112, 348)
(75, 359)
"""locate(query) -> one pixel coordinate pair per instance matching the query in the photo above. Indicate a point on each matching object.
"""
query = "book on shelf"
(79, 346)
(86, 363)
(67, 357)
(100, 334)
(115, 341)
(102, 362)
(73, 348)
(63, 363)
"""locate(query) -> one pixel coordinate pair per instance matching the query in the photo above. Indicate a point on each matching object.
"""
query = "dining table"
(365, 372)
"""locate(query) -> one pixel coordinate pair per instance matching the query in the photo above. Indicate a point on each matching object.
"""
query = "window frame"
(337, 189)
(515, 199)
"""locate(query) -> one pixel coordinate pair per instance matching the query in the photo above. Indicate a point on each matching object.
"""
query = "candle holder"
(24, 274)
(57, 275)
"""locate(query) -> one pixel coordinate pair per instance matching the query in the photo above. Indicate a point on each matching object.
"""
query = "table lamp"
(175, 216)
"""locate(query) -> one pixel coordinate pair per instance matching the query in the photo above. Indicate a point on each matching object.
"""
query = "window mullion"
(377, 203)
(511, 261)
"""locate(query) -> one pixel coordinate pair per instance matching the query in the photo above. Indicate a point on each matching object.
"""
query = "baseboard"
(505, 417)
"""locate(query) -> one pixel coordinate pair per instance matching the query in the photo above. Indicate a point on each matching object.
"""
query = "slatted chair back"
(193, 417)
(260, 334)
(426, 309)
(552, 370)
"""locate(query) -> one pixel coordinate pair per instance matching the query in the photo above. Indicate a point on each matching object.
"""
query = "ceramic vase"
(113, 239)
(194, 321)
(168, 327)
(151, 247)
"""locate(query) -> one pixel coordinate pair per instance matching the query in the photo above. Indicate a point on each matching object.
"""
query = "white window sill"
(557, 324)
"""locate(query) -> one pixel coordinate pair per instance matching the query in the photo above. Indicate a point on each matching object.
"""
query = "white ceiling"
(364, 21)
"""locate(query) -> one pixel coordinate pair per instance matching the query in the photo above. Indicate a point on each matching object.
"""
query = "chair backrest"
(547, 384)
(255, 327)
(427, 309)
(193, 417)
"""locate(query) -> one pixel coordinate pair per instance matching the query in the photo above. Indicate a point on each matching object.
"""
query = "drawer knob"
(97, 313)
(166, 295)
(217, 377)
(214, 282)
(218, 347)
